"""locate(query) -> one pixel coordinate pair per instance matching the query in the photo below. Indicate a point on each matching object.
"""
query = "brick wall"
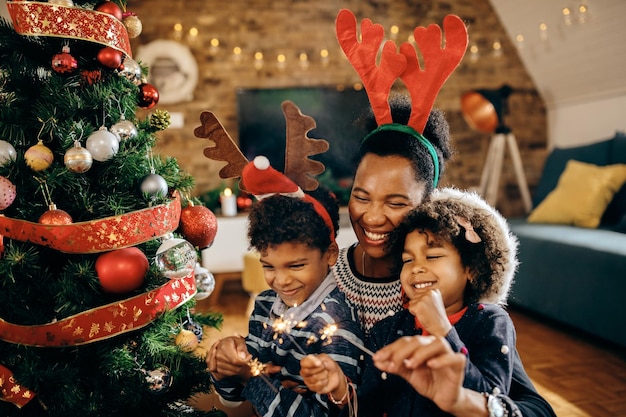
(291, 27)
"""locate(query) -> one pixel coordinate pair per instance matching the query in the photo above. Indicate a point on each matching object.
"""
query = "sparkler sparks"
(330, 329)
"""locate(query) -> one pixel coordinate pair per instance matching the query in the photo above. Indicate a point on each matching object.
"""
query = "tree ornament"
(131, 70)
(154, 186)
(55, 216)
(109, 7)
(124, 129)
(205, 282)
(159, 380)
(186, 340)
(148, 96)
(90, 77)
(38, 157)
(102, 144)
(110, 58)
(7, 193)
(195, 328)
(122, 270)
(78, 159)
(160, 119)
(199, 225)
(64, 63)
(67, 3)
(133, 24)
(7, 153)
(176, 257)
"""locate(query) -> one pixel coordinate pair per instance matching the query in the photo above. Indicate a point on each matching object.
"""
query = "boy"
(295, 234)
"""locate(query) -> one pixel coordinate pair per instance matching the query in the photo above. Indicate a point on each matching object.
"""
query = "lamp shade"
(483, 109)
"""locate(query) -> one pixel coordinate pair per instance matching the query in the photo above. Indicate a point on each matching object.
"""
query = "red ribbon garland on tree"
(45, 19)
(103, 322)
(100, 235)
(11, 391)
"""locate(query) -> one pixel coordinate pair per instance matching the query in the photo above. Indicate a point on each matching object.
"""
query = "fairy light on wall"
(214, 46)
(304, 60)
(281, 61)
(543, 31)
(496, 48)
(258, 60)
(474, 53)
(237, 54)
(324, 56)
(394, 32)
(178, 31)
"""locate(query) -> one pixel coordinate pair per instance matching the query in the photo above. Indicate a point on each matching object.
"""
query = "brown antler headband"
(298, 167)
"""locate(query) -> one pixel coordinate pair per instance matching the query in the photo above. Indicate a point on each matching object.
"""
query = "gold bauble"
(133, 25)
(187, 340)
(38, 157)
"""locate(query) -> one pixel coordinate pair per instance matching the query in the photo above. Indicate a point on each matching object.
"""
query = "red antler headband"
(423, 83)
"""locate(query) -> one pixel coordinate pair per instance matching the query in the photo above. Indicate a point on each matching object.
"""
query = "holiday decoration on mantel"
(97, 277)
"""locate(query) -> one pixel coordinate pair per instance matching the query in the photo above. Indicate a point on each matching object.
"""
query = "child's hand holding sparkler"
(229, 357)
(323, 375)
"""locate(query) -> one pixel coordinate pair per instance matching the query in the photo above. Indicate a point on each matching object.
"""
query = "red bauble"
(64, 63)
(122, 270)
(109, 7)
(109, 57)
(199, 225)
(148, 96)
(55, 217)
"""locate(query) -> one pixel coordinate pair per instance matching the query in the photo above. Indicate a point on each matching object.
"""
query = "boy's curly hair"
(493, 260)
(279, 219)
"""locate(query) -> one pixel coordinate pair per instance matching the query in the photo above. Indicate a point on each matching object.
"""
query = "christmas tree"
(99, 236)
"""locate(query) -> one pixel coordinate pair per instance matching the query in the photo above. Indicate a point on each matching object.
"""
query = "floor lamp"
(483, 110)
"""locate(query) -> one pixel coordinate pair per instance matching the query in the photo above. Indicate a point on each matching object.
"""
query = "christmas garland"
(100, 235)
(46, 19)
(11, 391)
(103, 322)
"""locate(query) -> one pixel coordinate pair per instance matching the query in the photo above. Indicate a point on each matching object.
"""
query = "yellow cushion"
(581, 195)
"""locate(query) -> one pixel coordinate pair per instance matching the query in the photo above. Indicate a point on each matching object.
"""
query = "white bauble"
(102, 144)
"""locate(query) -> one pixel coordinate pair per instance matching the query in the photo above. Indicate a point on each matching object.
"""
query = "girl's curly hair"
(493, 260)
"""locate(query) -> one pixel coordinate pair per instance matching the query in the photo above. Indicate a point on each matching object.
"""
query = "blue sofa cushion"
(597, 153)
(618, 149)
(621, 226)
(616, 208)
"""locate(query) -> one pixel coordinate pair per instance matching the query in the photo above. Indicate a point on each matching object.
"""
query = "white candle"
(229, 203)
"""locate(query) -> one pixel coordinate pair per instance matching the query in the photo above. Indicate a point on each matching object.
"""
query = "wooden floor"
(580, 376)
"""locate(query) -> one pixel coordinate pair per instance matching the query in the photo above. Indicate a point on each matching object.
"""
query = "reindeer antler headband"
(423, 84)
(258, 177)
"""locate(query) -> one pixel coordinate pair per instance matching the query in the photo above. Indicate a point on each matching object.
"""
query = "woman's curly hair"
(279, 219)
(492, 261)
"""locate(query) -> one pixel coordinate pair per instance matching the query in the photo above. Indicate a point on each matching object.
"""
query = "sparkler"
(330, 329)
(257, 368)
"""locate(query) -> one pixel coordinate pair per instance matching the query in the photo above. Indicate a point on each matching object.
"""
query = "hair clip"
(470, 233)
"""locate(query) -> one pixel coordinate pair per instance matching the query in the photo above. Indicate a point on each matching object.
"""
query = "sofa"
(572, 248)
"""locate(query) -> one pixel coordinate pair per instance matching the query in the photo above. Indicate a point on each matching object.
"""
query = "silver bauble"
(7, 153)
(159, 380)
(78, 159)
(131, 70)
(205, 282)
(102, 144)
(176, 258)
(154, 186)
(124, 129)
